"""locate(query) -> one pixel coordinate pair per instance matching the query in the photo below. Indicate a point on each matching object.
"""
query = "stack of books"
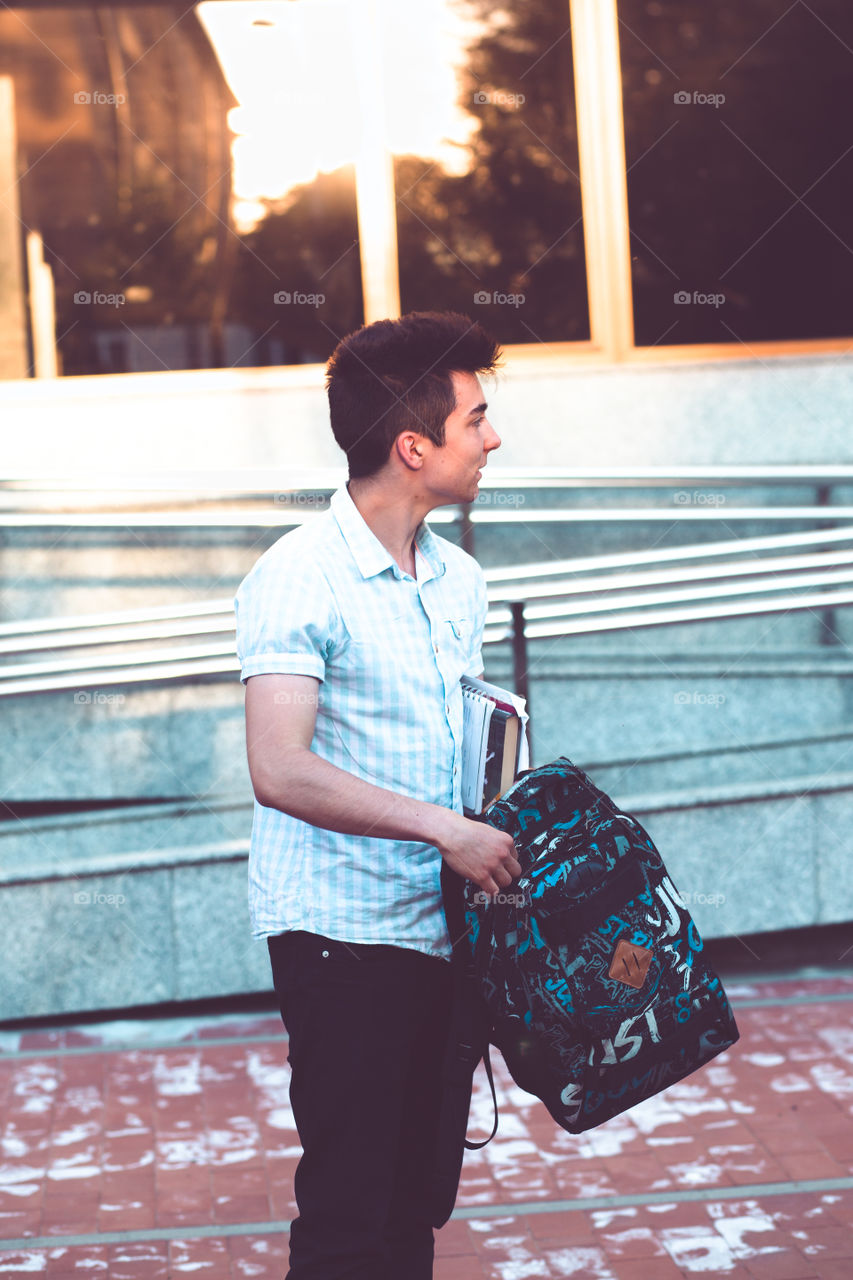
(493, 739)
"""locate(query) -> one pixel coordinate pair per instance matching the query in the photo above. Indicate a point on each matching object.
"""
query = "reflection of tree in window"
(713, 185)
(511, 224)
(131, 194)
(306, 246)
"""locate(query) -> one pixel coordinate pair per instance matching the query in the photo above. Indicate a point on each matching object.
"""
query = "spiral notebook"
(494, 742)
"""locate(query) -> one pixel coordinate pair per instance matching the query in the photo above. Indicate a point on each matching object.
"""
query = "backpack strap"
(475, 1146)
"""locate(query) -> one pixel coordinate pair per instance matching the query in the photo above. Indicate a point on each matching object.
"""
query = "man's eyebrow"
(480, 408)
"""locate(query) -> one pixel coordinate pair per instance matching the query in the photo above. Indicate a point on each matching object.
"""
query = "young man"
(353, 632)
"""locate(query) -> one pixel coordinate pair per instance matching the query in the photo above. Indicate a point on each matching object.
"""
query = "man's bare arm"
(281, 711)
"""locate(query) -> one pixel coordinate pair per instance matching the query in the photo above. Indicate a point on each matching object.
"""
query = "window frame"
(607, 238)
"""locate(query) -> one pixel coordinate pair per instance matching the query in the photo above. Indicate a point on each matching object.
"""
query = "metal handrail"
(589, 574)
(523, 573)
(119, 661)
(532, 589)
(558, 619)
(110, 633)
(693, 551)
(220, 659)
(760, 586)
(260, 480)
(663, 617)
(23, 500)
(287, 518)
(37, 626)
(219, 616)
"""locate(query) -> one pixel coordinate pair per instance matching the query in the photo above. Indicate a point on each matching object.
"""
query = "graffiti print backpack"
(588, 973)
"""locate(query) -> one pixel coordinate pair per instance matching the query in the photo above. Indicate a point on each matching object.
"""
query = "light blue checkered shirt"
(328, 600)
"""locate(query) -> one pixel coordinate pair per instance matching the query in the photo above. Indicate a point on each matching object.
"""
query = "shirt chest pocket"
(453, 645)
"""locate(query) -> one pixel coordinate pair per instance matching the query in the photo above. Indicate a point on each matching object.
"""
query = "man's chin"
(458, 497)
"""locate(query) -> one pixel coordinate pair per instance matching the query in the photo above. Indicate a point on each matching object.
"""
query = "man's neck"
(393, 517)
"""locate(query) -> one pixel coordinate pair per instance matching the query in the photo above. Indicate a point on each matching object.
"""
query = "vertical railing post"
(828, 633)
(519, 653)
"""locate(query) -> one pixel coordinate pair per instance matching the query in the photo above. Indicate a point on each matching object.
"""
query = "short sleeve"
(475, 658)
(287, 620)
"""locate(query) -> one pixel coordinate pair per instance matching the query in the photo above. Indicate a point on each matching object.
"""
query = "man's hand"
(478, 852)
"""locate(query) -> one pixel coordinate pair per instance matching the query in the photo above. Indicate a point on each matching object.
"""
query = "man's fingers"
(500, 878)
(512, 867)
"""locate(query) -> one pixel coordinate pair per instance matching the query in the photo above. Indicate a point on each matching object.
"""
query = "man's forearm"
(310, 788)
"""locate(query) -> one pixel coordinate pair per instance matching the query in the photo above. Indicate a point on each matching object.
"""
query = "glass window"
(489, 207)
(188, 180)
(739, 139)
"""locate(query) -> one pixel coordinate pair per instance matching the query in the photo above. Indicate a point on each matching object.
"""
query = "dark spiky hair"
(394, 375)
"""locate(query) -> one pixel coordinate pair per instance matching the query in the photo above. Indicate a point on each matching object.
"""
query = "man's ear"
(409, 448)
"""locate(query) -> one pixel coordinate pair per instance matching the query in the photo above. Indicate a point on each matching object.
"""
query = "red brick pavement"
(152, 1141)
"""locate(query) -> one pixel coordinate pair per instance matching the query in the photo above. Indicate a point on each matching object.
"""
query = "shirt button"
(435, 646)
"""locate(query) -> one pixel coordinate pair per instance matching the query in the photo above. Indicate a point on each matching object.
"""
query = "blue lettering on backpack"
(555, 876)
(609, 928)
(560, 989)
(567, 826)
(537, 939)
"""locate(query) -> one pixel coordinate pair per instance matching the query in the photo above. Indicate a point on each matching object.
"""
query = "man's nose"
(492, 440)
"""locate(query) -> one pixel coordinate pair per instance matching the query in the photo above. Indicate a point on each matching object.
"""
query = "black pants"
(367, 1028)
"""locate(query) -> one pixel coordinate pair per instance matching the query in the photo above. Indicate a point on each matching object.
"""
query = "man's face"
(451, 472)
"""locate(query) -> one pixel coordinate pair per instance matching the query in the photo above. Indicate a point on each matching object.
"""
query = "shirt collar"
(368, 552)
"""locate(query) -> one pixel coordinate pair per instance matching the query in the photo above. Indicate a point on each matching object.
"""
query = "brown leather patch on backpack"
(630, 963)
